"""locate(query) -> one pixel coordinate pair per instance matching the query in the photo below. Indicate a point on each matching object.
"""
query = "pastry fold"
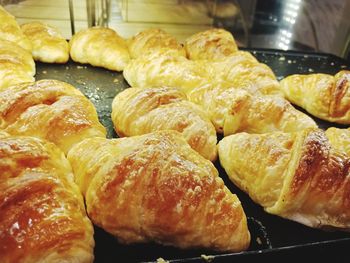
(154, 187)
(234, 110)
(138, 111)
(212, 44)
(100, 47)
(10, 30)
(42, 213)
(16, 64)
(49, 109)
(153, 40)
(299, 176)
(48, 44)
(324, 96)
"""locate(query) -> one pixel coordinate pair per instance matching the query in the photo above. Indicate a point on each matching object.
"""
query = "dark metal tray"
(271, 236)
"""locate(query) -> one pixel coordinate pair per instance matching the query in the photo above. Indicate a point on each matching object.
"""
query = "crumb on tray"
(80, 67)
(258, 240)
(282, 59)
(115, 80)
(162, 260)
(44, 71)
(207, 258)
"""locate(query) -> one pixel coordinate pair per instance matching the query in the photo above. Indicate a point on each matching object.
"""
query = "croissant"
(242, 70)
(100, 47)
(152, 40)
(48, 44)
(10, 30)
(298, 176)
(42, 213)
(234, 110)
(339, 138)
(154, 187)
(138, 111)
(49, 109)
(16, 64)
(324, 96)
(212, 44)
(165, 68)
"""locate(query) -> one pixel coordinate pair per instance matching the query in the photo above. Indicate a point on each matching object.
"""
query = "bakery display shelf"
(271, 236)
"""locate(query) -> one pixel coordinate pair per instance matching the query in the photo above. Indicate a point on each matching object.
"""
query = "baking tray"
(271, 236)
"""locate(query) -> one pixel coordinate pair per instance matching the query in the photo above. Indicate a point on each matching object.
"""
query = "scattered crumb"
(80, 81)
(115, 80)
(258, 240)
(332, 63)
(254, 52)
(282, 59)
(306, 56)
(67, 67)
(207, 258)
(44, 71)
(310, 70)
(80, 67)
(294, 61)
(289, 62)
(343, 66)
(97, 88)
(161, 260)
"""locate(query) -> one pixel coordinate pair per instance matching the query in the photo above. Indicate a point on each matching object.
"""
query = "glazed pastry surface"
(154, 187)
(324, 96)
(10, 30)
(234, 110)
(153, 40)
(212, 44)
(16, 64)
(49, 109)
(42, 213)
(138, 111)
(299, 176)
(100, 47)
(48, 45)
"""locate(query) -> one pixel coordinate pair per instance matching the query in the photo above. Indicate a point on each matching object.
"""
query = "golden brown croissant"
(153, 40)
(48, 45)
(10, 30)
(298, 175)
(16, 64)
(165, 69)
(322, 95)
(100, 47)
(212, 44)
(154, 187)
(49, 109)
(234, 110)
(138, 111)
(42, 213)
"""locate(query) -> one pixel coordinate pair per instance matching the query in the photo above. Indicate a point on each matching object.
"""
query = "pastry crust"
(166, 69)
(339, 138)
(49, 109)
(153, 40)
(42, 213)
(100, 47)
(298, 176)
(16, 64)
(243, 71)
(154, 187)
(234, 110)
(48, 44)
(324, 96)
(10, 30)
(138, 111)
(212, 44)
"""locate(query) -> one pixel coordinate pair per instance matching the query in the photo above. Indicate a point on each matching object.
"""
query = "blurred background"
(305, 25)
